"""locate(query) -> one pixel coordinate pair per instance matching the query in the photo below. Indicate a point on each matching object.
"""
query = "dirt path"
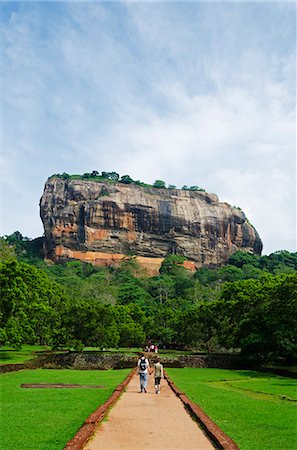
(150, 422)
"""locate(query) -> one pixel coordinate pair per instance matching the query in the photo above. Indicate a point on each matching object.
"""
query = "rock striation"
(102, 222)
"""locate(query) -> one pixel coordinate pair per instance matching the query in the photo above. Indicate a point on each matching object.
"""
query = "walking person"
(143, 369)
(158, 375)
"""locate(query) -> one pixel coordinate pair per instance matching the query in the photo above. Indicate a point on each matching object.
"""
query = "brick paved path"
(149, 422)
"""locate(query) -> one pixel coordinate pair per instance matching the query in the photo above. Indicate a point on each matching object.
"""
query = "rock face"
(102, 222)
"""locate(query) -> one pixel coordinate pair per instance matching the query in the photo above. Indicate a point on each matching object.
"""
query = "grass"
(132, 351)
(9, 355)
(114, 351)
(257, 410)
(164, 353)
(45, 419)
(283, 367)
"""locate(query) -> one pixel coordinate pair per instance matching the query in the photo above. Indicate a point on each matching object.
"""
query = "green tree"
(17, 241)
(131, 292)
(7, 252)
(163, 326)
(161, 288)
(172, 265)
(206, 276)
(250, 271)
(114, 176)
(31, 304)
(126, 179)
(259, 317)
(65, 176)
(278, 261)
(130, 326)
(199, 292)
(197, 327)
(160, 184)
(183, 281)
(230, 273)
(240, 258)
(91, 323)
(196, 188)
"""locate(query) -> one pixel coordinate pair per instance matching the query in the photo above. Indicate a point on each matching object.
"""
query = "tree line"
(248, 305)
(125, 179)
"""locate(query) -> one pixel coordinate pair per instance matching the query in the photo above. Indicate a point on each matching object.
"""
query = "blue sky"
(194, 93)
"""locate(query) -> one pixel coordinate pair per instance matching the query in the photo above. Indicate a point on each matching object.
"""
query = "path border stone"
(222, 440)
(87, 429)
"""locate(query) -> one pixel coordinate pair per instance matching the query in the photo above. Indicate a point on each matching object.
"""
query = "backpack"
(142, 364)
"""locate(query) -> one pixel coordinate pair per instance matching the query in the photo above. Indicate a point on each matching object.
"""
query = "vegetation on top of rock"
(113, 177)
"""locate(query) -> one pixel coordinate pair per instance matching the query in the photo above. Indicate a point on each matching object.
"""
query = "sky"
(193, 93)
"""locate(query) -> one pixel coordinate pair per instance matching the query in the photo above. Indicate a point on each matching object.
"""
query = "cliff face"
(100, 222)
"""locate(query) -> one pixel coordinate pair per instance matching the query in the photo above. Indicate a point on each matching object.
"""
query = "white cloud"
(192, 94)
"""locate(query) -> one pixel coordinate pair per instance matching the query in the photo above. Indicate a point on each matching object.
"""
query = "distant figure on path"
(143, 367)
(158, 375)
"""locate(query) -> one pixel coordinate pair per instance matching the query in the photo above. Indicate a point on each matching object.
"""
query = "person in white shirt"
(143, 371)
(158, 375)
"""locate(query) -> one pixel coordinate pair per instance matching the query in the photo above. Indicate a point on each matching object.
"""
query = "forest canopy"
(248, 305)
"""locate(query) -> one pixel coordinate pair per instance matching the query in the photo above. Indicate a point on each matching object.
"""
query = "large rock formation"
(101, 222)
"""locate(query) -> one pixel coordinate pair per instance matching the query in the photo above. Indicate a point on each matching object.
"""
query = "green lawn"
(282, 367)
(132, 351)
(9, 355)
(164, 353)
(45, 419)
(129, 351)
(258, 411)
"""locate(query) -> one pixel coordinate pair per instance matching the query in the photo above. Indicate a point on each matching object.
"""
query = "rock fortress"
(102, 223)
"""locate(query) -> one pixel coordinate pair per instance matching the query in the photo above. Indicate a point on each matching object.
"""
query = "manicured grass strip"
(215, 433)
(265, 422)
(276, 387)
(114, 351)
(9, 355)
(45, 419)
(82, 436)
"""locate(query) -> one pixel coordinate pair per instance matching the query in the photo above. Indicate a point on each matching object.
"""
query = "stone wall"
(88, 361)
(97, 361)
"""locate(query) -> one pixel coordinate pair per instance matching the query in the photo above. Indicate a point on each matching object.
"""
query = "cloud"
(197, 94)
(231, 145)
